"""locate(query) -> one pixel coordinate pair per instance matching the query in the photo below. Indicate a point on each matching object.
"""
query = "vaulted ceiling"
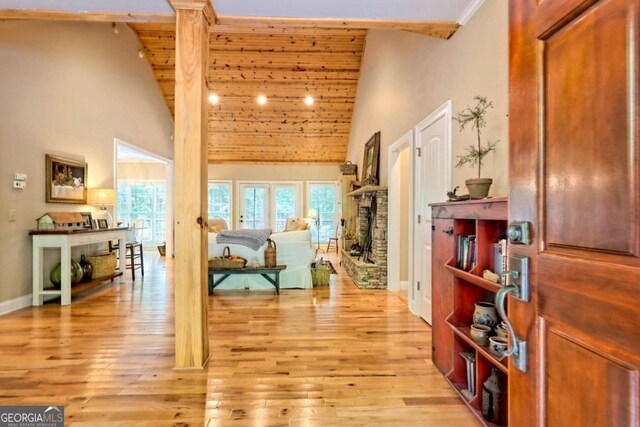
(284, 50)
(285, 65)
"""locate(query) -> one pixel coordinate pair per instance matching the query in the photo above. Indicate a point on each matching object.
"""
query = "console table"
(263, 271)
(65, 240)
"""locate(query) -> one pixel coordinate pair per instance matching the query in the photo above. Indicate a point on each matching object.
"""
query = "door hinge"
(418, 285)
(419, 219)
(433, 228)
(419, 151)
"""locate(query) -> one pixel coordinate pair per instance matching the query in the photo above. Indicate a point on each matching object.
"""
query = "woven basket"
(103, 264)
(348, 168)
(320, 275)
(227, 261)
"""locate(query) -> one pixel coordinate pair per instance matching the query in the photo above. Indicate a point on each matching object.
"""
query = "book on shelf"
(466, 254)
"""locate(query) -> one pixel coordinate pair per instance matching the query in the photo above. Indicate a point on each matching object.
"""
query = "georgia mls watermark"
(31, 416)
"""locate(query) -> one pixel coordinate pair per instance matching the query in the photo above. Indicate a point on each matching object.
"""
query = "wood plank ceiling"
(285, 65)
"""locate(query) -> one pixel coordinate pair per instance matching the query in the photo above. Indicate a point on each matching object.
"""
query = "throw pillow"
(217, 225)
(296, 224)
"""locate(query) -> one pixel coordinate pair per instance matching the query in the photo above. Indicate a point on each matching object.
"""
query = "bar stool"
(133, 253)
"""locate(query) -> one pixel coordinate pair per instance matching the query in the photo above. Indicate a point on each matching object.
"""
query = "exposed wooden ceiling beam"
(56, 15)
(438, 29)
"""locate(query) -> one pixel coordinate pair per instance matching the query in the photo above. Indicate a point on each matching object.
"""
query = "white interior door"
(433, 180)
(254, 206)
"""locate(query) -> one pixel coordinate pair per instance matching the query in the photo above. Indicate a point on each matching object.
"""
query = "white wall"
(141, 171)
(406, 76)
(68, 89)
(295, 172)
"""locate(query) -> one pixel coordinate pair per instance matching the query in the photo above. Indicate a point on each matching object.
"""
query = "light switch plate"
(20, 176)
(20, 184)
(13, 215)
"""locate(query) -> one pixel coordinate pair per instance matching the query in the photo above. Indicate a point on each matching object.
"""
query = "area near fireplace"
(369, 271)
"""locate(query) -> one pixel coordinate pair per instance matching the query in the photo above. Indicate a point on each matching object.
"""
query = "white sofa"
(293, 250)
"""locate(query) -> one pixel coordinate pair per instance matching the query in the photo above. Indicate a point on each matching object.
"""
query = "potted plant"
(348, 238)
(475, 154)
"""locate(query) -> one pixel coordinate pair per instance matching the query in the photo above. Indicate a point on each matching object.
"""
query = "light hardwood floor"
(332, 356)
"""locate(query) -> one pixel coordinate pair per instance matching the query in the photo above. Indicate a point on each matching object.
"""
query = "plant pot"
(478, 187)
(162, 249)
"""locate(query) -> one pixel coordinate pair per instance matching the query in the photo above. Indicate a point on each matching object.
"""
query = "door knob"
(518, 232)
(448, 231)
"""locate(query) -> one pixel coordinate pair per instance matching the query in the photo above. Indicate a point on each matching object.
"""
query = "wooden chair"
(335, 239)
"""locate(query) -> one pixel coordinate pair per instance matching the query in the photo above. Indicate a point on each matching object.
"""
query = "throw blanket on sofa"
(250, 238)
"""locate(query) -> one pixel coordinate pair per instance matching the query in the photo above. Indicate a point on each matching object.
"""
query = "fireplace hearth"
(369, 271)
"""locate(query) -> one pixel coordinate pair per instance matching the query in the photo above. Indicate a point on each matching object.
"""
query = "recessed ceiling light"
(262, 100)
(213, 98)
(308, 100)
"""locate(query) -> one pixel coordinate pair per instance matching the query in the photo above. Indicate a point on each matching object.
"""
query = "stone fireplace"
(369, 270)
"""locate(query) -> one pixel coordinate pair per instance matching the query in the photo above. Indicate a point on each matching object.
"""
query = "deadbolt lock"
(518, 232)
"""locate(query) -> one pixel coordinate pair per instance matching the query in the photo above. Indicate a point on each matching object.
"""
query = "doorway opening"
(144, 188)
(400, 225)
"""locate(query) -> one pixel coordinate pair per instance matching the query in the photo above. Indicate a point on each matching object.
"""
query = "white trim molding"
(15, 304)
(395, 216)
(471, 10)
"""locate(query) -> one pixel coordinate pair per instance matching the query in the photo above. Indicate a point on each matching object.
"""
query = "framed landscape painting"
(66, 180)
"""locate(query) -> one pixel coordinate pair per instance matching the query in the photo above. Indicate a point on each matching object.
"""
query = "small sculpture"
(453, 197)
(491, 276)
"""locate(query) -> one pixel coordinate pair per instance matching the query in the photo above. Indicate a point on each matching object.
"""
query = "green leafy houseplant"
(475, 154)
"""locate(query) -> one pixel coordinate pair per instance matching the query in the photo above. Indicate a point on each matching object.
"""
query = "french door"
(268, 205)
(254, 206)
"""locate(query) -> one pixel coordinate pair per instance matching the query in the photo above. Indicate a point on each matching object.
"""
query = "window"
(220, 201)
(143, 205)
(322, 197)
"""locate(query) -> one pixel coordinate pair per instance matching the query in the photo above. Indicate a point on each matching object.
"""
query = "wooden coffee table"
(263, 271)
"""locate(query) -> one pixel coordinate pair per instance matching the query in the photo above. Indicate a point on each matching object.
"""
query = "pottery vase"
(485, 314)
(56, 274)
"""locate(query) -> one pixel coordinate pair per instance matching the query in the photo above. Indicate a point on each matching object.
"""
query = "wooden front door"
(573, 174)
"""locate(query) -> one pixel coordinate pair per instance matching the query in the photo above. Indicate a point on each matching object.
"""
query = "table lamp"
(103, 197)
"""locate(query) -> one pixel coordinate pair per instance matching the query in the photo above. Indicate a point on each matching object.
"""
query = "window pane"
(254, 212)
(219, 205)
(323, 200)
(285, 206)
(143, 206)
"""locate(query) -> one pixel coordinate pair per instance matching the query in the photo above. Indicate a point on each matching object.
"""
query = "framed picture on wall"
(371, 160)
(102, 224)
(66, 180)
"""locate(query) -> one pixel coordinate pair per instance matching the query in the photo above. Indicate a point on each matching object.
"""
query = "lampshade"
(312, 213)
(102, 196)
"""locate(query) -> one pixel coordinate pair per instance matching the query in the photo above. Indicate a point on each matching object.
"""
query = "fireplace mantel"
(367, 189)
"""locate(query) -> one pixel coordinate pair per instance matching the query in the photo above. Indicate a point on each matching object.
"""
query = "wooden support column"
(190, 145)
